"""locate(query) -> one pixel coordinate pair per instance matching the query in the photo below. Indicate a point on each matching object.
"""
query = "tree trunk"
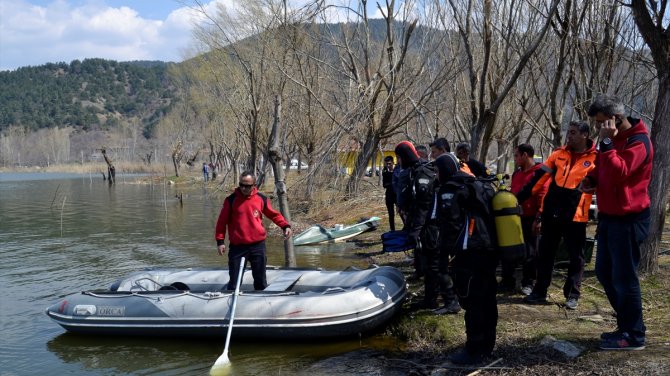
(111, 170)
(274, 154)
(364, 156)
(501, 164)
(654, 34)
(660, 176)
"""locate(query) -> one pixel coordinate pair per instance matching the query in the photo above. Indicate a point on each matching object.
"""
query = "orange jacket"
(566, 169)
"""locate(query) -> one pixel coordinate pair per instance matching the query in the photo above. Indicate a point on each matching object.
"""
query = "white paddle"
(223, 360)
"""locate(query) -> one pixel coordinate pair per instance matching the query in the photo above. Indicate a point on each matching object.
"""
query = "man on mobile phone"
(620, 180)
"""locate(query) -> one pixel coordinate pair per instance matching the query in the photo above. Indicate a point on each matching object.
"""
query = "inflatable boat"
(296, 304)
(318, 234)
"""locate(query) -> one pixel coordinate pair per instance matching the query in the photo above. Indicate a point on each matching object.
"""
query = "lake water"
(65, 233)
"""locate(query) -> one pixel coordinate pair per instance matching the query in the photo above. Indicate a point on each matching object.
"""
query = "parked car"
(294, 165)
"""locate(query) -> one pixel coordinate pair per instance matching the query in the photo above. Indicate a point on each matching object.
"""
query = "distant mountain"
(91, 94)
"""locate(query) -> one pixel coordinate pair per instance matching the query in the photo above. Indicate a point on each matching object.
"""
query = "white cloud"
(35, 35)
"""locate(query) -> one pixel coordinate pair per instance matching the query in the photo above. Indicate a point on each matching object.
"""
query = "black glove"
(524, 194)
(415, 239)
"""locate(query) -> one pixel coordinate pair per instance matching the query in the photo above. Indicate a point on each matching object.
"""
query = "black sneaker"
(452, 308)
(506, 286)
(621, 342)
(463, 356)
(535, 298)
(610, 335)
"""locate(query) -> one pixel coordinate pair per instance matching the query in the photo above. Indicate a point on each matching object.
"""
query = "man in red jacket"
(621, 179)
(526, 168)
(242, 214)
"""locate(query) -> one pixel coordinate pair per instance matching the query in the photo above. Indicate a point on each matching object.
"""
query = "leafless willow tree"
(498, 40)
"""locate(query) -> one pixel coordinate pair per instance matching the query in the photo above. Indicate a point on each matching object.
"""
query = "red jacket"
(245, 219)
(530, 207)
(623, 172)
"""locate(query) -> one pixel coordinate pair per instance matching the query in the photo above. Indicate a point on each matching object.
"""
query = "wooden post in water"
(274, 156)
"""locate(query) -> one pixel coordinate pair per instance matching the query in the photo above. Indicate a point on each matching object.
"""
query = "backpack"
(414, 181)
(231, 199)
(466, 214)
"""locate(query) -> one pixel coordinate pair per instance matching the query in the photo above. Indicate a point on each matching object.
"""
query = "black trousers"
(255, 255)
(574, 237)
(529, 264)
(436, 279)
(390, 207)
(475, 280)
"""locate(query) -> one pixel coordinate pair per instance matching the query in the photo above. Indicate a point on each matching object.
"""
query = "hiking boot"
(452, 308)
(414, 277)
(621, 342)
(527, 290)
(571, 303)
(425, 305)
(535, 298)
(506, 286)
(463, 356)
(610, 335)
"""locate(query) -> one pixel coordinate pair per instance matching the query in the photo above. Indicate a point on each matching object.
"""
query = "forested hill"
(89, 94)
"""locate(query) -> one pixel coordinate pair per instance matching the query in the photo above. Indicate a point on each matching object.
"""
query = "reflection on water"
(61, 234)
(125, 355)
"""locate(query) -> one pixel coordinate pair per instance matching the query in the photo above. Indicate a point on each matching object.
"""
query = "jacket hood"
(407, 153)
(447, 165)
(638, 127)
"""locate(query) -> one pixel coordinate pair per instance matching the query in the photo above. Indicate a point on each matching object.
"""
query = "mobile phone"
(617, 122)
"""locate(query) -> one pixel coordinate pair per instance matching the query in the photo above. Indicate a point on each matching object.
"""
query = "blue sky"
(35, 32)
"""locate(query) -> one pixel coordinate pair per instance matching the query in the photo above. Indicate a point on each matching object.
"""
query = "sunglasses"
(247, 186)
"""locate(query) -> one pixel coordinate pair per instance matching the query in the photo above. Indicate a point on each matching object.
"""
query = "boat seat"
(284, 282)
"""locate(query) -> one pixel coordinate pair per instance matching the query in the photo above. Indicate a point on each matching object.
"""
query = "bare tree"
(506, 51)
(652, 21)
(275, 158)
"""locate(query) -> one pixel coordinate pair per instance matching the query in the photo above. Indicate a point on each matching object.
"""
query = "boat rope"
(210, 295)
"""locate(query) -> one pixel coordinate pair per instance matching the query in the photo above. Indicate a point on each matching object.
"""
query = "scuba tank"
(507, 216)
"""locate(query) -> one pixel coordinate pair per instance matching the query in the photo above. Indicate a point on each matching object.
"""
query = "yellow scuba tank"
(507, 216)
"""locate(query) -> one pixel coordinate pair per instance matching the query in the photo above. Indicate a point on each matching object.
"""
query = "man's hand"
(608, 129)
(537, 227)
(221, 249)
(287, 233)
(586, 186)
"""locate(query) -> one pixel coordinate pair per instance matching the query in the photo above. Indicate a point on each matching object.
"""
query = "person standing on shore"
(389, 192)
(621, 179)
(242, 215)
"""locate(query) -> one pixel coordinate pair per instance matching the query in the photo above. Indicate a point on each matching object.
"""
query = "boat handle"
(332, 290)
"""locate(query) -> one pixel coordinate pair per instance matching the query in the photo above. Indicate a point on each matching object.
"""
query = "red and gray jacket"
(244, 218)
(520, 178)
(623, 171)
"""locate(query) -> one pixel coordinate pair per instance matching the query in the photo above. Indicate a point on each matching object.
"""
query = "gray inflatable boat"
(296, 304)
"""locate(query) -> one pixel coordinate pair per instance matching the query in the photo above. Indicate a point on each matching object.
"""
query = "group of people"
(439, 198)
(554, 197)
(207, 170)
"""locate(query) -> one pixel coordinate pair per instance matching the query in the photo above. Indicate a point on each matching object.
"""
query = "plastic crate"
(563, 259)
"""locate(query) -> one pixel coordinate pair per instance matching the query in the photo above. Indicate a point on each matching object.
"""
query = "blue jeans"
(255, 255)
(617, 259)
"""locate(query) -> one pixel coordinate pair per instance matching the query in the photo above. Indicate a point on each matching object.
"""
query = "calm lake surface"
(65, 233)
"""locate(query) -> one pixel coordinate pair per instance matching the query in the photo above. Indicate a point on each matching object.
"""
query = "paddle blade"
(221, 366)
